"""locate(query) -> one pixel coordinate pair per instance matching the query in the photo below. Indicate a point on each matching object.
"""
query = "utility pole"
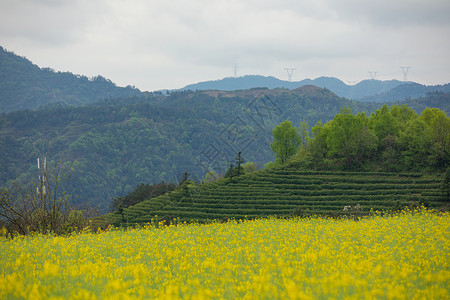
(42, 167)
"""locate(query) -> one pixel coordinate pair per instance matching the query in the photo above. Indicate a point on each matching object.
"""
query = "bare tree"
(41, 205)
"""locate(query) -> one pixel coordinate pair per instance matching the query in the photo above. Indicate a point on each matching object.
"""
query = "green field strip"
(332, 185)
(277, 204)
(388, 197)
(286, 192)
(301, 181)
(363, 191)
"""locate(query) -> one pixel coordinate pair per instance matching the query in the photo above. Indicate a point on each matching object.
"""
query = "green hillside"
(323, 174)
(116, 144)
(24, 85)
(288, 191)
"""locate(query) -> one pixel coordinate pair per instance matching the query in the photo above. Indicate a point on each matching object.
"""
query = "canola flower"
(405, 256)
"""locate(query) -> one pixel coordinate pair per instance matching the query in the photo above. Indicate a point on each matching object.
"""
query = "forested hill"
(24, 85)
(116, 144)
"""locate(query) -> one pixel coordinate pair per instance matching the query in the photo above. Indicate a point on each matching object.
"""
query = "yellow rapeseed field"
(398, 257)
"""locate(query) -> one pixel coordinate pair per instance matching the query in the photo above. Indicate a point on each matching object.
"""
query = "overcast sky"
(167, 44)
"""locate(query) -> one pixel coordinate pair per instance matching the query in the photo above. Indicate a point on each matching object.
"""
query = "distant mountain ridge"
(24, 85)
(407, 90)
(366, 90)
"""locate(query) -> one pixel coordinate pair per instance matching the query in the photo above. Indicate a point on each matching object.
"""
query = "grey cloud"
(143, 42)
(393, 13)
(47, 22)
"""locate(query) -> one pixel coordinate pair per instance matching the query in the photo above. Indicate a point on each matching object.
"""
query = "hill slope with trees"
(390, 139)
(115, 145)
(24, 85)
(360, 149)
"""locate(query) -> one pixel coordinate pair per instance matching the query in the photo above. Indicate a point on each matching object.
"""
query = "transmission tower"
(373, 74)
(235, 71)
(405, 72)
(290, 71)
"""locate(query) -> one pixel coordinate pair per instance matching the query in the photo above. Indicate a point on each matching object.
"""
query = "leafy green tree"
(286, 141)
(415, 144)
(438, 129)
(249, 167)
(383, 123)
(390, 154)
(390, 124)
(349, 139)
(392, 139)
(211, 176)
(317, 147)
(403, 115)
(304, 132)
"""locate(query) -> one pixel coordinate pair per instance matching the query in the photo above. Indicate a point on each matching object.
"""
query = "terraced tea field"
(291, 192)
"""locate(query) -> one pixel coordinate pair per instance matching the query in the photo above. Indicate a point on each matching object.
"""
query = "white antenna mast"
(42, 176)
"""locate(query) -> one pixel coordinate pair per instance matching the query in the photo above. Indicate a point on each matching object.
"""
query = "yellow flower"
(50, 269)
(403, 256)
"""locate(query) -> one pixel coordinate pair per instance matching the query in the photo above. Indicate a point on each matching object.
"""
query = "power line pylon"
(290, 71)
(405, 72)
(373, 74)
(235, 68)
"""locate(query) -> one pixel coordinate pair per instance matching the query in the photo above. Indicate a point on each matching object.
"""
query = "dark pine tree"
(230, 172)
(239, 161)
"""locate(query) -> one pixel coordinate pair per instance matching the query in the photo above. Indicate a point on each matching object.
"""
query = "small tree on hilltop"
(184, 183)
(303, 132)
(286, 141)
(230, 172)
(211, 176)
(249, 167)
(239, 162)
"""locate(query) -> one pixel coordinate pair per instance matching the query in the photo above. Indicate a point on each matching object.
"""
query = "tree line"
(391, 139)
